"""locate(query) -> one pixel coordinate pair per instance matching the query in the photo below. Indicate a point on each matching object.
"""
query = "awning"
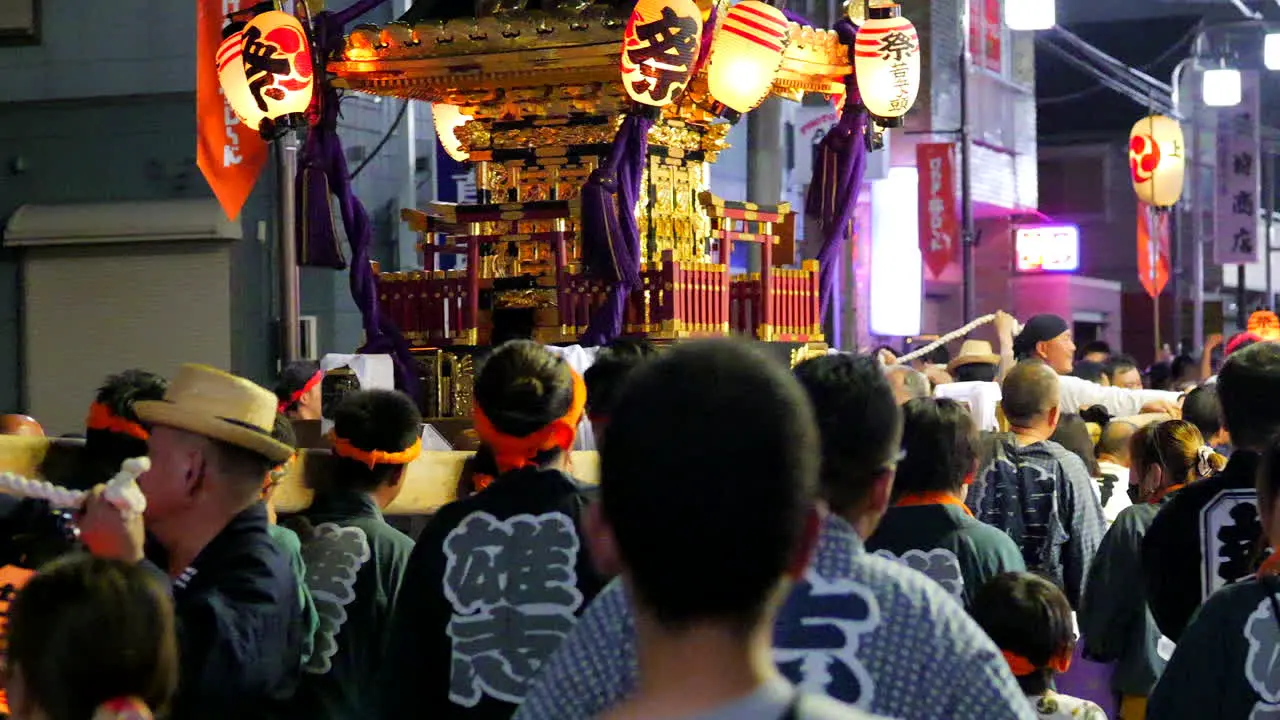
(119, 222)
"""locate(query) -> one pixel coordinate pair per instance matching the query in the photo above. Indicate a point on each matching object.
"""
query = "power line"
(1159, 59)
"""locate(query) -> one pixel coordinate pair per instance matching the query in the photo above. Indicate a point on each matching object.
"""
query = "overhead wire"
(1099, 87)
(1146, 97)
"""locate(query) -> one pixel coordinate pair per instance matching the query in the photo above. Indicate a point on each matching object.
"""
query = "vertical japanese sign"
(939, 227)
(1236, 203)
(1153, 249)
(229, 155)
(456, 183)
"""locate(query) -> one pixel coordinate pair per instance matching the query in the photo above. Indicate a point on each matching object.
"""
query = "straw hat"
(973, 352)
(219, 406)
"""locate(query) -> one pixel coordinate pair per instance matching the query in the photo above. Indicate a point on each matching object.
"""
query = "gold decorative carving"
(524, 299)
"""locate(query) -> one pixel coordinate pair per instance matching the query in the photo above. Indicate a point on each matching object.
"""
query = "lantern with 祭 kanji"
(746, 54)
(887, 64)
(659, 50)
(235, 86)
(1157, 161)
(278, 69)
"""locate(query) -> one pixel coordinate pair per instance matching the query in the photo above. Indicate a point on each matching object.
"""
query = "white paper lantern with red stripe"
(659, 50)
(746, 54)
(887, 64)
(235, 86)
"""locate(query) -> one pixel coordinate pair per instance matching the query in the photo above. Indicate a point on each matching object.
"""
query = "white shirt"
(1119, 499)
(1077, 393)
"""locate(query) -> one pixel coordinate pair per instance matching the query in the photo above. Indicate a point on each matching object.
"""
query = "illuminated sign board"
(1047, 248)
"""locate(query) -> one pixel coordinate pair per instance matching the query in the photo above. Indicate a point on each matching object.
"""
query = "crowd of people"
(854, 538)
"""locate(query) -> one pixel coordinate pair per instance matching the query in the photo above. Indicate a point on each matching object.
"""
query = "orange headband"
(342, 447)
(296, 396)
(513, 453)
(101, 418)
(1021, 666)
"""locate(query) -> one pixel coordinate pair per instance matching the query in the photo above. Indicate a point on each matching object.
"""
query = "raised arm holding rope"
(1048, 338)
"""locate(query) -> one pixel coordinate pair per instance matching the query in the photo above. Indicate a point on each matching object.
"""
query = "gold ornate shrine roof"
(437, 61)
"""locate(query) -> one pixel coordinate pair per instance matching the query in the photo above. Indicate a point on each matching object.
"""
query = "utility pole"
(968, 232)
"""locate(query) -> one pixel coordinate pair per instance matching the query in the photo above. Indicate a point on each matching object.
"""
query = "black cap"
(1041, 328)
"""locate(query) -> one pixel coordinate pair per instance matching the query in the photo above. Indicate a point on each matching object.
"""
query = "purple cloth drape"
(837, 176)
(610, 233)
(322, 153)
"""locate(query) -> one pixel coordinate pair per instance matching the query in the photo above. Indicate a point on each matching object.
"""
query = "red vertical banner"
(986, 34)
(229, 154)
(939, 224)
(1153, 249)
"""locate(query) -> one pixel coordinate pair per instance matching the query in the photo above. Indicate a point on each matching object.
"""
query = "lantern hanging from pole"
(278, 66)
(1157, 161)
(235, 86)
(447, 119)
(887, 64)
(659, 50)
(746, 54)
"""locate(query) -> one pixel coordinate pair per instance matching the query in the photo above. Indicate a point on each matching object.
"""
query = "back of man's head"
(1249, 389)
(718, 442)
(1114, 443)
(907, 383)
(1203, 408)
(373, 421)
(860, 423)
(605, 377)
(1029, 393)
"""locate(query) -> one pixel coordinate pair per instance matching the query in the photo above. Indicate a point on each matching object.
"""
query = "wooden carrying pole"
(430, 482)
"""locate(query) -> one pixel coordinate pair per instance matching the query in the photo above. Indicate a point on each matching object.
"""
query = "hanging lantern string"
(122, 490)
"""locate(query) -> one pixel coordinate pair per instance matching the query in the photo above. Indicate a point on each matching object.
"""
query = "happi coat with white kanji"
(858, 628)
(355, 562)
(494, 584)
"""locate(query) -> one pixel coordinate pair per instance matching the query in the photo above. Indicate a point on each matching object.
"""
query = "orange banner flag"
(1153, 248)
(229, 154)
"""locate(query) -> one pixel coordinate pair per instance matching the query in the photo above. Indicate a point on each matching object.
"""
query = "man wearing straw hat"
(235, 595)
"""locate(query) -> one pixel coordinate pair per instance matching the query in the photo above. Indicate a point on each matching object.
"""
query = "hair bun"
(528, 384)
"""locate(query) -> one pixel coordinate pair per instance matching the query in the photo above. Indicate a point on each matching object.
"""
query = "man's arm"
(1085, 524)
(593, 669)
(1078, 393)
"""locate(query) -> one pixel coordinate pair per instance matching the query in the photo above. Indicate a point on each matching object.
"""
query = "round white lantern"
(1157, 160)
(887, 64)
(448, 118)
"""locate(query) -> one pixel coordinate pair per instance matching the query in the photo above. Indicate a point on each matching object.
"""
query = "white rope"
(122, 491)
(954, 334)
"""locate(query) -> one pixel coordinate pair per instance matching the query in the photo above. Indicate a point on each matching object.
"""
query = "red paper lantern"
(746, 54)
(659, 50)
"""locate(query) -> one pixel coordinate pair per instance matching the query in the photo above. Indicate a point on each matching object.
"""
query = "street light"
(1271, 51)
(1222, 87)
(1030, 14)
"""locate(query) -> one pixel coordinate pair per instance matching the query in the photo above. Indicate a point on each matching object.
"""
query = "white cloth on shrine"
(579, 358)
(982, 398)
(373, 372)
